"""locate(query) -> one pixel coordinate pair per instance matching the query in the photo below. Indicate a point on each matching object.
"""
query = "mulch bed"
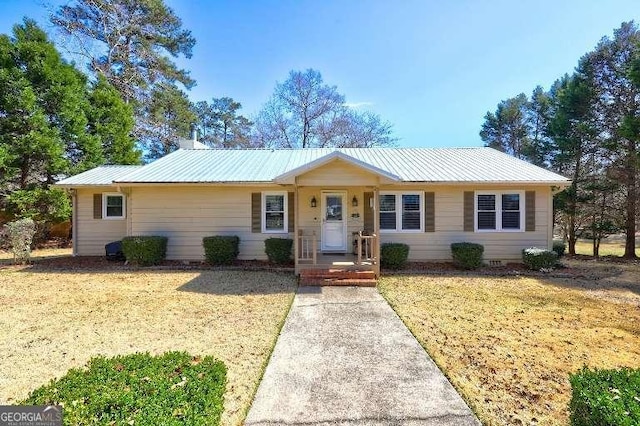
(100, 263)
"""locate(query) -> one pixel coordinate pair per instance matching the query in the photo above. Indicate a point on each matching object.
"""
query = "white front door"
(334, 225)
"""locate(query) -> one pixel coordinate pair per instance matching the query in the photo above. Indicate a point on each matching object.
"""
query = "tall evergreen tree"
(131, 44)
(220, 125)
(111, 119)
(172, 114)
(610, 69)
(43, 125)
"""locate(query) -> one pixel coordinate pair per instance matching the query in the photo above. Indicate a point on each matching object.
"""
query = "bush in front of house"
(536, 258)
(394, 255)
(467, 255)
(559, 247)
(145, 250)
(278, 250)
(221, 249)
(174, 388)
(19, 234)
(605, 397)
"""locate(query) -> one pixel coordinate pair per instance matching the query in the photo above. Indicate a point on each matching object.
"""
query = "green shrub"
(605, 397)
(278, 250)
(144, 250)
(393, 255)
(467, 255)
(536, 258)
(221, 249)
(559, 247)
(20, 236)
(171, 389)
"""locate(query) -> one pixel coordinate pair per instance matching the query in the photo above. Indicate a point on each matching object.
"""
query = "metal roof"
(445, 165)
(102, 175)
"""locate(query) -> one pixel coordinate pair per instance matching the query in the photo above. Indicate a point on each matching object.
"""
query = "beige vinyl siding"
(92, 234)
(186, 214)
(337, 172)
(449, 226)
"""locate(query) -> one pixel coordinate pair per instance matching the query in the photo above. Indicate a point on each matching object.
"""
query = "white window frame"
(398, 195)
(498, 210)
(104, 205)
(263, 221)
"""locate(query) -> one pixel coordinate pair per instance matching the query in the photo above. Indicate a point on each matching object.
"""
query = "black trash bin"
(114, 251)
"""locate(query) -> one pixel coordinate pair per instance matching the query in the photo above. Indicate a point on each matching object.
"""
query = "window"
(274, 212)
(113, 206)
(499, 211)
(401, 212)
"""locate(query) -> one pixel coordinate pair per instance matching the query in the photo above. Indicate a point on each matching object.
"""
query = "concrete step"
(338, 282)
(337, 273)
(337, 277)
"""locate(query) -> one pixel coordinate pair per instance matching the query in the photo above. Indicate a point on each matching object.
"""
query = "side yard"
(508, 344)
(53, 320)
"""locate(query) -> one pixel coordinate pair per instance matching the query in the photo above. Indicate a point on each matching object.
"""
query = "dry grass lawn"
(53, 320)
(607, 248)
(508, 344)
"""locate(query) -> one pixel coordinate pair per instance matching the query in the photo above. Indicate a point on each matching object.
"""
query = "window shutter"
(429, 212)
(97, 206)
(530, 211)
(291, 212)
(256, 212)
(468, 211)
(368, 212)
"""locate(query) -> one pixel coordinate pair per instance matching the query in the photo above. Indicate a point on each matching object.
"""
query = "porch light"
(313, 202)
(354, 201)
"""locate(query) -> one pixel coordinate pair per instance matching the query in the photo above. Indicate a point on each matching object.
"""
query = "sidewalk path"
(345, 358)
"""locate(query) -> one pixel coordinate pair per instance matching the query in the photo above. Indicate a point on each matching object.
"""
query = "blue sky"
(432, 68)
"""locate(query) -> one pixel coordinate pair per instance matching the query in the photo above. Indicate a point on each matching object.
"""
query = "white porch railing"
(307, 247)
(366, 248)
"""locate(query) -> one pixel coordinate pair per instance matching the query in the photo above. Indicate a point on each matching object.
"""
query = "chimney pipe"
(194, 133)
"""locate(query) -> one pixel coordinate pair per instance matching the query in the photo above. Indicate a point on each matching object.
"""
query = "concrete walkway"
(345, 358)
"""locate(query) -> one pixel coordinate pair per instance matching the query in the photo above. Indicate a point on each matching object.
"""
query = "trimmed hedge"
(170, 389)
(536, 258)
(145, 250)
(221, 249)
(559, 247)
(278, 250)
(467, 255)
(394, 255)
(605, 397)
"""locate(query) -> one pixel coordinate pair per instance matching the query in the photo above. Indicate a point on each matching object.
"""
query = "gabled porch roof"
(289, 176)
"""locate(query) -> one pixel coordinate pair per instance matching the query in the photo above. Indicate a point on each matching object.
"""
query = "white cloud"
(357, 104)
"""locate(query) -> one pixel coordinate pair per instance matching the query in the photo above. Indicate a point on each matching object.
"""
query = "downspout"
(376, 226)
(74, 222)
(296, 225)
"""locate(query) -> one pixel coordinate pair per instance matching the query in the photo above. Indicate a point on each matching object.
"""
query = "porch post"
(376, 229)
(296, 241)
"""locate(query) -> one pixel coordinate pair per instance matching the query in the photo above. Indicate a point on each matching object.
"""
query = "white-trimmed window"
(499, 211)
(113, 206)
(401, 212)
(274, 212)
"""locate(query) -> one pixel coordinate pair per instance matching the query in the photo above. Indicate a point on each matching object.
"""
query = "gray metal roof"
(446, 165)
(102, 175)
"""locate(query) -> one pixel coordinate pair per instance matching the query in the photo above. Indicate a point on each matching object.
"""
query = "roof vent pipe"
(194, 133)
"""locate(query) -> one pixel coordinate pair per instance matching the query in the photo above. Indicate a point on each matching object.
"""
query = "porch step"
(337, 277)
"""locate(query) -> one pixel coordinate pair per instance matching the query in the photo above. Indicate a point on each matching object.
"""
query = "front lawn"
(508, 344)
(56, 319)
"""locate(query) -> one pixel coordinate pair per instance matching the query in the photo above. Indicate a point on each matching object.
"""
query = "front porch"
(364, 258)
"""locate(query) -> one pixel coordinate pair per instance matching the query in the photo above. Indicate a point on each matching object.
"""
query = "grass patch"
(171, 389)
(509, 344)
(55, 320)
(607, 248)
